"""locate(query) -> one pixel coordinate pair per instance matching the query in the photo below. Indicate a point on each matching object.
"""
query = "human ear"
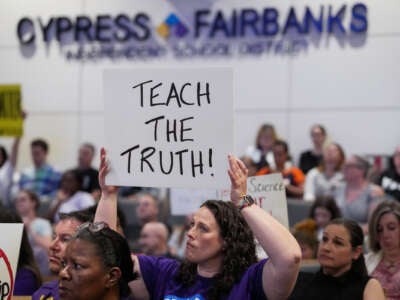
(357, 251)
(114, 274)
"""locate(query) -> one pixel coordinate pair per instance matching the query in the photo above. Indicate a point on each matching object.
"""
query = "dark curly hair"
(238, 254)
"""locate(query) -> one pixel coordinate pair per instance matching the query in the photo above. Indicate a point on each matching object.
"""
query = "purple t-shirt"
(25, 282)
(158, 274)
(48, 290)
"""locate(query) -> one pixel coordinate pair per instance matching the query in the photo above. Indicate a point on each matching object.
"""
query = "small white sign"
(169, 127)
(10, 241)
(269, 193)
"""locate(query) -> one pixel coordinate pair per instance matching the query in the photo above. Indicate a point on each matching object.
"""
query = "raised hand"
(103, 171)
(238, 175)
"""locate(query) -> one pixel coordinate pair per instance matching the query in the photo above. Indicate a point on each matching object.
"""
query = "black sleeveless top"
(349, 286)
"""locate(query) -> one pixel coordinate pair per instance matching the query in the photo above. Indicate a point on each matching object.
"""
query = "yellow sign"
(10, 110)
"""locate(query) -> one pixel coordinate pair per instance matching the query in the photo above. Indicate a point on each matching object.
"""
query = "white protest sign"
(10, 241)
(169, 127)
(269, 193)
(187, 201)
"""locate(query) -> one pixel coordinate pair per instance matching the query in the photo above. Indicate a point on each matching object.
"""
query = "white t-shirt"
(6, 172)
(77, 201)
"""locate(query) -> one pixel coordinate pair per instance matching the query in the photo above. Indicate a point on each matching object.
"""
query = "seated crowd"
(351, 236)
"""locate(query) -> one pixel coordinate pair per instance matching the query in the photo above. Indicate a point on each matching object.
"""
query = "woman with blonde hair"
(383, 263)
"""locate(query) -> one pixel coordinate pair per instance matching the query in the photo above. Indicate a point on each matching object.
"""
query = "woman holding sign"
(220, 258)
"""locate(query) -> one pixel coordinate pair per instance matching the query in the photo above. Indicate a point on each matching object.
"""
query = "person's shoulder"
(93, 170)
(306, 153)
(28, 172)
(313, 172)
(159, 262)
(46, 290)
(50, 285)
(39, 224)
(41, 221)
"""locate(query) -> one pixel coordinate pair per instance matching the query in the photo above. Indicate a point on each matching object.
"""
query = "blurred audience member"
(39, 230)
(390, 178)
(305, 234)
(250, 164)
(121, 218)
(107, 265)
(312, 158)
(90, 181)
(324, 179)
(293, 177)
(63, 233)
(261, 153)
(41, 177)
(383, 263)
(178, 239)
(147, 208)
(7, 167)
(357, 197)
(343, 274)
(27, 277)
(323, 210)
(69, 197)
(153, 240)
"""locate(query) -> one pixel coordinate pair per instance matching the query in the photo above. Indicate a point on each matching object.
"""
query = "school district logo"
(195, 297)
(172, 26)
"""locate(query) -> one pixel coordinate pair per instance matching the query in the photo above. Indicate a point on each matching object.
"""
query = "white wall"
(353, 91)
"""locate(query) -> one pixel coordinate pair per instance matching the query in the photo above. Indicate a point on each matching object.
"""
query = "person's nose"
(190, 234)
(54, 245)
(64, 273)
(385, 233)
(326, 246)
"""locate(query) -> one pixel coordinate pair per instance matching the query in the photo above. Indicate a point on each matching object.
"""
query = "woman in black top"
(343, 274)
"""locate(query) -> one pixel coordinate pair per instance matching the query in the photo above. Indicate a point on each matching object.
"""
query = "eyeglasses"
(93, 227)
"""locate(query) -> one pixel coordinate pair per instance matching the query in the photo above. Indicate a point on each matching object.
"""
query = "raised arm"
(15, 146)
(107, 207)
(280, 271)
(107, 212)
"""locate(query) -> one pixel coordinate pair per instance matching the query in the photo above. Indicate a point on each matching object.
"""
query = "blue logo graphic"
(172, 26)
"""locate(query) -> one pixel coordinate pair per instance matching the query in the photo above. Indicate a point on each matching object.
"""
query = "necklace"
(391, 266)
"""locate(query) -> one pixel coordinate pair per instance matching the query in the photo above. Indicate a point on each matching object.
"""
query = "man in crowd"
(146, 211)
(41, 177)
(90, 182)
(153, 239)
(63, 232)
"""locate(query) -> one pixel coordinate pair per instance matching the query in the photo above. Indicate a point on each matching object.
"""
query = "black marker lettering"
(170, 130)
(171, 163)
(200, 94)
(152, 95)
(141, 90)
(129, 151)
(145, 156)
(181, 94)
(155, 125)
(173, 94)
(179, 154)
(199, 165)
(183, 129)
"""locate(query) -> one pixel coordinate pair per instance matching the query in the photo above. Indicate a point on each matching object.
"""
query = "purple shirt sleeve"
(25, 283)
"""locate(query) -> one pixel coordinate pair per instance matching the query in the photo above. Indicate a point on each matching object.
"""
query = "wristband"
(245, 201)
